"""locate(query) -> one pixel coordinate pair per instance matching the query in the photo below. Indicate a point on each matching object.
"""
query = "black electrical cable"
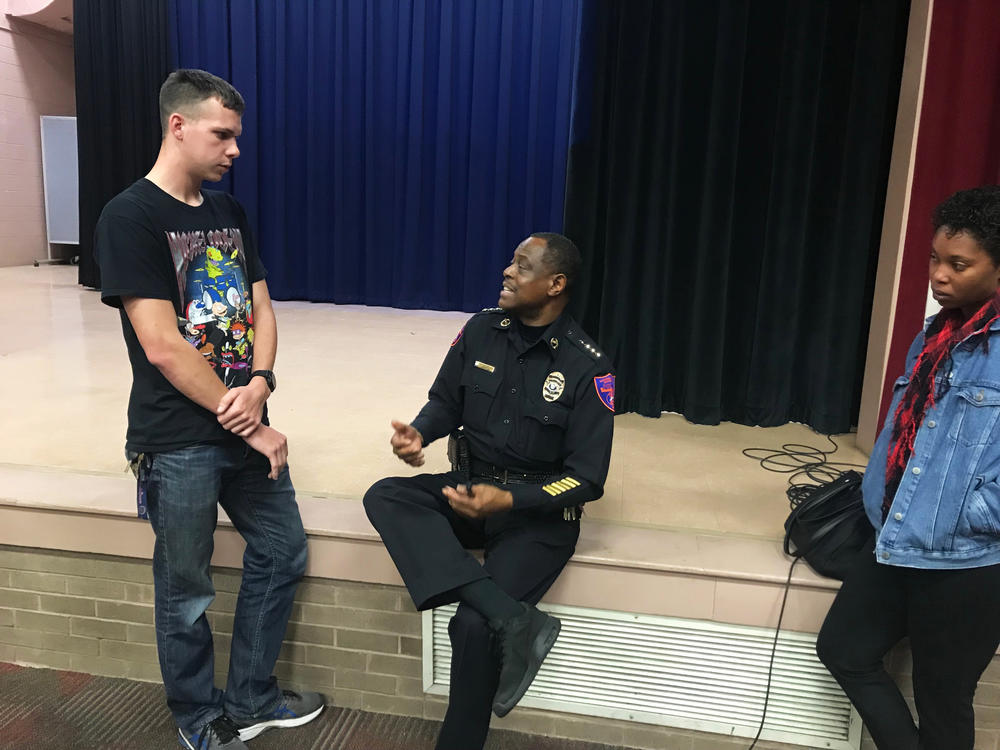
(809, 467)
(774, 648)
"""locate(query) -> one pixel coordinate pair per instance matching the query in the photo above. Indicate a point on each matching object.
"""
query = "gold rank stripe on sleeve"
(563, 485)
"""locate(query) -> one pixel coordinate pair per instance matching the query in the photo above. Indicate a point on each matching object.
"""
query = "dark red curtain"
(958, 147)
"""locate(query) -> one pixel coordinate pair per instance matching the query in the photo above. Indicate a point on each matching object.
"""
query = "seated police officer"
(536, 400)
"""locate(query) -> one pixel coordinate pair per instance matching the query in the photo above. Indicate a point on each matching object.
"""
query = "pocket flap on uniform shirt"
(550, 414)
(481, 381)
(980, 395)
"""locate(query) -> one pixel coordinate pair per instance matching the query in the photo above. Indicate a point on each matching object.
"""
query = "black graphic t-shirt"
(204, 260)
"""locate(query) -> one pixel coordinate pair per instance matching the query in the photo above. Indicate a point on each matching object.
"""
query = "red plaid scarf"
(944, 333)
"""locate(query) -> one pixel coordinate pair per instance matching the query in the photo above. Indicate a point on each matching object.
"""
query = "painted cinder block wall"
(36, 78)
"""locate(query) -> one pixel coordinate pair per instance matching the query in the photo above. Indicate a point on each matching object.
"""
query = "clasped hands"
(241, 408)
(240, 411)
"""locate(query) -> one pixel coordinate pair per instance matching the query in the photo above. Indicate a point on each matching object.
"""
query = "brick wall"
(358, 643)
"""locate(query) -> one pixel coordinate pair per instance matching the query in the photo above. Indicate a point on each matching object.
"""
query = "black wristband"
(268, 376)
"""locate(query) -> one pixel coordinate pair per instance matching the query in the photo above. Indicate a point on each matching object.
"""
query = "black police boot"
(524, 642)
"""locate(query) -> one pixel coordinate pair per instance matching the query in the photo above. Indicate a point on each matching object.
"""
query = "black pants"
(952, 618)
(524, 553)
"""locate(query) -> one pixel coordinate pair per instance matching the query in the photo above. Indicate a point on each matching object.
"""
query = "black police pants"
(524, 552)
(952, 618)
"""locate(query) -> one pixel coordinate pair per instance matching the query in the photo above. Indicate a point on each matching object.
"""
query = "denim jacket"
(946, 513)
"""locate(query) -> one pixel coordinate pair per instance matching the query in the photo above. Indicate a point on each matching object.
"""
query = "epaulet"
(588, 347)
(492, 310)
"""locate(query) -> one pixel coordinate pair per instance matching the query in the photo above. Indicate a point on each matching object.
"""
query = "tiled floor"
(344, 372)
(49, 709)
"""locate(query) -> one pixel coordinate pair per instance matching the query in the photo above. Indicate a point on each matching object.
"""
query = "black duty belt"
(504, 475)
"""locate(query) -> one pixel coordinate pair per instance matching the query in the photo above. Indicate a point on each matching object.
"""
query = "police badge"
(553, 386)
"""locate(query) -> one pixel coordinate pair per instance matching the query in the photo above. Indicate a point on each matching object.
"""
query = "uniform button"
(506, 421)
(931, 423)
(885, 555)
(520, 360)
(513, 390)
(898, 516)
(916, 469)
(475, 388)
(545, 418)
(979, 396)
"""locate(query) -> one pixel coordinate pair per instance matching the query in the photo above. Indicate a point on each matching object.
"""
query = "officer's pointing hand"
(407, 443)
(484, 500)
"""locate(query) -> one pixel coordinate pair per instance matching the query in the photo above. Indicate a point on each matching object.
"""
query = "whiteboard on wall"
(60, 180)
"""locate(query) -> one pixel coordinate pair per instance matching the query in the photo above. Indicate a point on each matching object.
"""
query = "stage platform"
(344, 371)
(688, 528)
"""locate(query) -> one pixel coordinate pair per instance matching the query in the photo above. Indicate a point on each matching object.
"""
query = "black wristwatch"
(268, 376)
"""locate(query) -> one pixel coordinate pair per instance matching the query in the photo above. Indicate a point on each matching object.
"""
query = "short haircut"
(975, 212)
(561, 255)
(187, 88)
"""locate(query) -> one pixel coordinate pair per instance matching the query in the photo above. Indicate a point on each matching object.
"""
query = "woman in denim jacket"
(931, 491)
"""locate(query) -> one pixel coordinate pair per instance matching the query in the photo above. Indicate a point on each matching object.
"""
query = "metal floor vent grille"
(692, 674)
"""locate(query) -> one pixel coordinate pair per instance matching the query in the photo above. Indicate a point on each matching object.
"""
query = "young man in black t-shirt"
(181, 265)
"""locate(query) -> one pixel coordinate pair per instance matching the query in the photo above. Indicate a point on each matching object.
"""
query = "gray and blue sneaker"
(294, 710)
(219, 734)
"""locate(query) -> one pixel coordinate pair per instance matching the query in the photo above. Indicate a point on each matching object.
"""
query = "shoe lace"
(223, 728)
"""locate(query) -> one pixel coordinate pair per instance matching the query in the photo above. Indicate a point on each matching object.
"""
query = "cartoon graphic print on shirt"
(217, 310)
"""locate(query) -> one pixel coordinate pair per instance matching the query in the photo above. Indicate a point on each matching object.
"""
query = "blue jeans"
(184, 491)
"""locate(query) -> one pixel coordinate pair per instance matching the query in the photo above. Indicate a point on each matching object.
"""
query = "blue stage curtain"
(394, 151)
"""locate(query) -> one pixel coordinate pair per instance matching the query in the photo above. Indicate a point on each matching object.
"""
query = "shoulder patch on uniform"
(492, 310)
(605, 386)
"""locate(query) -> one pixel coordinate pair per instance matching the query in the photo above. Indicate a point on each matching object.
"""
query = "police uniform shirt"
(534, 407)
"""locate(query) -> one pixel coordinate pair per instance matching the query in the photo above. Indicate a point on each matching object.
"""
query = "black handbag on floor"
(828, 527)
